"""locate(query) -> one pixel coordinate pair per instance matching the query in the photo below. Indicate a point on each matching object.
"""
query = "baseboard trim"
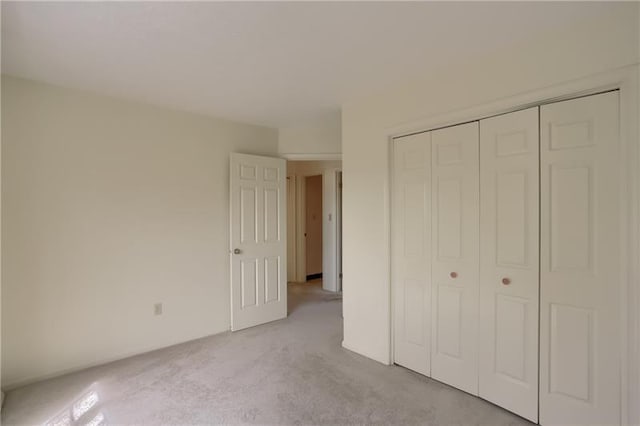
(358, 352)
(38, 378)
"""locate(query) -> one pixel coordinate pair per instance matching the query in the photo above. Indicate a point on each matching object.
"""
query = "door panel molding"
(509, 259)
(580, 248)
(455, 218)
(257, 240)
(412, 252)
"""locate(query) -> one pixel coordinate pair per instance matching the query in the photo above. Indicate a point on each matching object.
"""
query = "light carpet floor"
(292, 371)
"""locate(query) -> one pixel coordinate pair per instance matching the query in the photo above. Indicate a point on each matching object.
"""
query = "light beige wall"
(109, 207)
(322, 135)
(1, 381)
(313, 198)
(634, 417)
(583, 50)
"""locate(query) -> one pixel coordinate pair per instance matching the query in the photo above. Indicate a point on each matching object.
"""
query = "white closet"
(505, 259)
(412, 248)
(454, 277)
(509, 280)
(580, 345)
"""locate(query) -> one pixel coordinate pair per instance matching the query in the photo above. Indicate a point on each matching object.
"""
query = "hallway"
(292, 371)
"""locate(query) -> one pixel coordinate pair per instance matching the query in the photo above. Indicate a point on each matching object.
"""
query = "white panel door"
(258, 240)
(412, 252)
(509, 261)
(580, 262)
(455, 187)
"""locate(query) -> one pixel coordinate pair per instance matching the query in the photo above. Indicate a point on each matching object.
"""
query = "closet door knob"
(506, 281)
(453, 274)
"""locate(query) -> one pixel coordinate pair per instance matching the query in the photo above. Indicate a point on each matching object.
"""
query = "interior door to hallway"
(257, 240)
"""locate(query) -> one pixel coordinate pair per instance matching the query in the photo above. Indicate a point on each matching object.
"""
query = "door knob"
(237, 251)
(506, 281)
(453, 275)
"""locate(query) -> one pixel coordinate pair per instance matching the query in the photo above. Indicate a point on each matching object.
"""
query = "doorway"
(314, 231)
(313, 228)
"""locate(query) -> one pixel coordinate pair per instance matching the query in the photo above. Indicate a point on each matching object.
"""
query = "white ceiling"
(266, 63)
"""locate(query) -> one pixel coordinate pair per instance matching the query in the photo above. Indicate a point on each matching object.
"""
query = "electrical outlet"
(157, 309)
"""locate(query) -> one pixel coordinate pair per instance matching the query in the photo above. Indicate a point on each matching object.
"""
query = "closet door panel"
(455, 256)
(509, 261)
(580, 262)
(411, 215)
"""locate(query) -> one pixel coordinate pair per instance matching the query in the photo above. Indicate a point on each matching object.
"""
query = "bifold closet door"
(454, 197)
(509, 261)
(580, 262)
(412, 252)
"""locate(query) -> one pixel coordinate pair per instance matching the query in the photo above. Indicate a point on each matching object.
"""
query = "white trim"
(8, 387)
(360, 352)
(311, 157)
(330, 220)
(600, 82)
(338, 228)
(301, 226)
(292, 196)
(390, 219)
(329, 198)
(300, 274)
(625, 79)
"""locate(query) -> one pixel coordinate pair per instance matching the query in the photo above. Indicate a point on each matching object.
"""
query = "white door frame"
(299, 226)
(297, 196)
(339, 230)
(301, 216)
(331, 249)
(292, 244)
(299, 258)
(626, 80)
